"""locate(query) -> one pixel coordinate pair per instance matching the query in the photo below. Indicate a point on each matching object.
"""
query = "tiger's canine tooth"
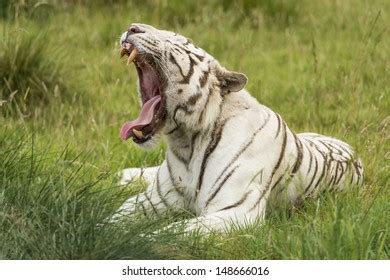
(132, 55)
(123, 51)
(138, 133)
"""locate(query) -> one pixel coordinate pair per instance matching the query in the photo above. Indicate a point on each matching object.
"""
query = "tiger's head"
(180, 85)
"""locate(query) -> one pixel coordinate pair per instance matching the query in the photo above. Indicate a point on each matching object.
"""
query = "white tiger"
(227, 155)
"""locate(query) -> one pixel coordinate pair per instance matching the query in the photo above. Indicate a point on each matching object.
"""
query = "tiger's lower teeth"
(138, 133)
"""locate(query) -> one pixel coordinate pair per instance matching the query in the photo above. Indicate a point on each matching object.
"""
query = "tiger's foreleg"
(248, 209)
(130, 175)
(221, 221)
(159, 196)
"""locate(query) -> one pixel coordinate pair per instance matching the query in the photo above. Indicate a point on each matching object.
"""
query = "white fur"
(252, 165)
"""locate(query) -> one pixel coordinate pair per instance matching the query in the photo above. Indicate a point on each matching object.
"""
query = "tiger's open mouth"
(152, 83)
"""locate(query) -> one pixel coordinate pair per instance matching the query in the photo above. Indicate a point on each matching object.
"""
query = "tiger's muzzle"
(152, 83)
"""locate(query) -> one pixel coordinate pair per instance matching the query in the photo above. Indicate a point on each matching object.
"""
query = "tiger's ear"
(231, 81)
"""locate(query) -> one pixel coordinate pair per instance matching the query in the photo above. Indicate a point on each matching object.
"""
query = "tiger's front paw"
(129, 175)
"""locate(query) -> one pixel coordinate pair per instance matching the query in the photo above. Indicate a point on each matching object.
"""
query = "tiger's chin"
(151, 142)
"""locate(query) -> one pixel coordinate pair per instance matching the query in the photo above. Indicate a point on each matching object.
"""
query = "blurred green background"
(64, 94)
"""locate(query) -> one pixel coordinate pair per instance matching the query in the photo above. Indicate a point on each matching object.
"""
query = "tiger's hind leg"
(130, 175)
(336, 165)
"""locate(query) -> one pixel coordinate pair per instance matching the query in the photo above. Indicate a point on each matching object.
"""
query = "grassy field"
(64, 94)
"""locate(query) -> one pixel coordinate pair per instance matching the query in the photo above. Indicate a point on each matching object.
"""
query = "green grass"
(323, 65)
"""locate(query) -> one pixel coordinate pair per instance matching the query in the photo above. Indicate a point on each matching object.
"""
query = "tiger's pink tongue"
(144, 118)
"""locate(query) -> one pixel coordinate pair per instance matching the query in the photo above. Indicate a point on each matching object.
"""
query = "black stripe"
(191, 145)
(298, 162)
(186, 78)
(314, 174)
(318, 149)
(204, 107)
(221, 184)
(203, 78)
(183, 108)
(277, 182)
(322, 173)
(315, 146)
(278, 130)
(179, 156)
(334, 174)
(148, 41)
(183, 48)
(254, 177)
(188, 42)
(283, 149)
(194, 98)
(238, 203)
(341, 174)
(326, 145)
(338, 173)
(173, 129)
(310, 159)
(337, 180)
(340, 152)
(173, 181)
(151, 51)
(329, 148)
(281, 156)
(346, 151)
(199, 57)
(352, 173)
(177, 50)
(357, 168)
(162, 198)
(357, 171)
(173, 60)
(328, 165)
(216, 136)
(243, 149)
(193, 139)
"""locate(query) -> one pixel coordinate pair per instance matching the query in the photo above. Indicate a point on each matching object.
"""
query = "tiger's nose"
(133, 29)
